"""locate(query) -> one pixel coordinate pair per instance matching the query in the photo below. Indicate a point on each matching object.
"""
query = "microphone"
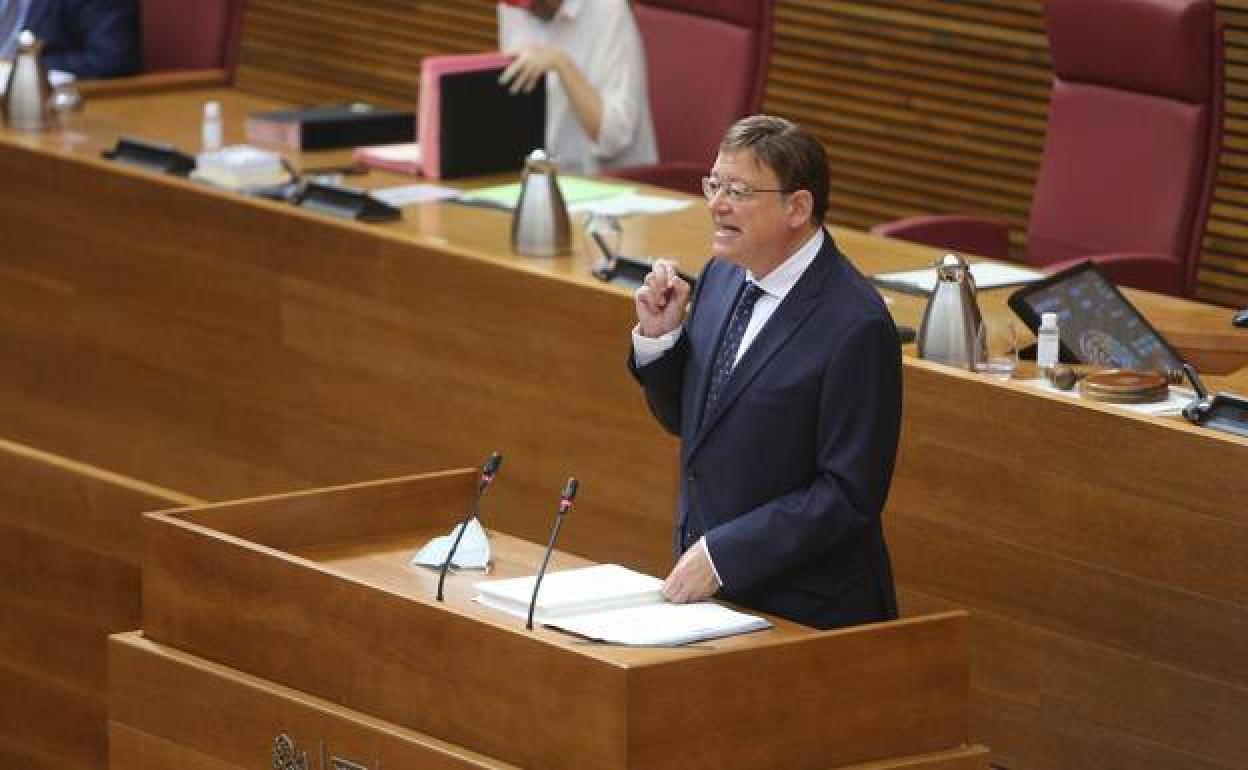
(565, 505)
(487, 478)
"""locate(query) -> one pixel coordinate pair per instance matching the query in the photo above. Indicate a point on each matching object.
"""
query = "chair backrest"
(707, 63)
(181, 35)
(1134, 131)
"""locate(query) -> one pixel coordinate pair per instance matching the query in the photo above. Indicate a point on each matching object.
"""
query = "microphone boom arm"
(487, 477)
(565, 505)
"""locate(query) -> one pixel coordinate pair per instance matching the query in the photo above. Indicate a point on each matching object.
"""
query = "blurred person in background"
(590, 52)
(88, 38)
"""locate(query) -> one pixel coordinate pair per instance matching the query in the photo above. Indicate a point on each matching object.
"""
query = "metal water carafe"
(539, 226)
(950, 329)
(28, 96)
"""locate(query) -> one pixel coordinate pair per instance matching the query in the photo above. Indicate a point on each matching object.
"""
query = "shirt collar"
(780, 281)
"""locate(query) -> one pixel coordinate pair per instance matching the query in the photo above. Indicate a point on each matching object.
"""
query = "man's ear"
(801, 203)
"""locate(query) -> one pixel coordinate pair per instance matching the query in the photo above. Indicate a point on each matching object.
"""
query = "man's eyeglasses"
(737, 192)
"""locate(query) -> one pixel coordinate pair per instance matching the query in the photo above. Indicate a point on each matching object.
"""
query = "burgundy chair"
(1131, 150)
(181, 35)
(707, 63)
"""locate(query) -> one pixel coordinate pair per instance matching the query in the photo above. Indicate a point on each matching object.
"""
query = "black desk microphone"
(487, 477)
(565, 505)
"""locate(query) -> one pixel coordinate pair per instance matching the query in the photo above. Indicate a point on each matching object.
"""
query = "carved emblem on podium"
(286, 756)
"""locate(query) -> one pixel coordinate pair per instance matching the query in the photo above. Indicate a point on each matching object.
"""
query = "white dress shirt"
(776, 285)
(601, 39)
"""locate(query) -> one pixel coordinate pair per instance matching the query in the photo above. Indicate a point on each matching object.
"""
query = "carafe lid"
(951, 267)
(539, 161)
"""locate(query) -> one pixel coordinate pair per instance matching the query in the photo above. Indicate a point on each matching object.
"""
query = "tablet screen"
(1098, 324)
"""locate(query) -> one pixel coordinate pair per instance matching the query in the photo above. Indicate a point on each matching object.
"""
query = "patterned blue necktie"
(726, 356)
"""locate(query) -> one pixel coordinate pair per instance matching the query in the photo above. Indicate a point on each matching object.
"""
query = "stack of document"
(240, 167)
(402, 158)
(613, 604)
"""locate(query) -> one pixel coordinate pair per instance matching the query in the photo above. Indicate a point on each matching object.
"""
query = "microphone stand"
(565, 505)
(487, 477)
(1196, 410)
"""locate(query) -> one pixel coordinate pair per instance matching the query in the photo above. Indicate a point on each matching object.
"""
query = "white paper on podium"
(661, 625)
(569, 592)
(473, 551)
(614, 604)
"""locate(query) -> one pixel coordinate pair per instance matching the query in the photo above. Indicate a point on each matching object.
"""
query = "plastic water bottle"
(211, 136)
(1047, 342)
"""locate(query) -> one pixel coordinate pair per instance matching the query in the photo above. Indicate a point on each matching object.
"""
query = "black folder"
(332, 126)
(481, 127)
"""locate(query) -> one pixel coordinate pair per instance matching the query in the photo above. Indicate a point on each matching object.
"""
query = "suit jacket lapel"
(787, 319)
(717, 310)
(35, 13)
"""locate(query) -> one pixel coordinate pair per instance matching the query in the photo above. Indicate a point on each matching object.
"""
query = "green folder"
(575, 190)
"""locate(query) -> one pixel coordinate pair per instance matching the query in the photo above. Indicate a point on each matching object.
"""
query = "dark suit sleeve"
(102, 39)
(663, 380)
(859, 418)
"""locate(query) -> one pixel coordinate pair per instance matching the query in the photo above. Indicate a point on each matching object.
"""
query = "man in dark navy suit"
(90, 38)
(783, 381)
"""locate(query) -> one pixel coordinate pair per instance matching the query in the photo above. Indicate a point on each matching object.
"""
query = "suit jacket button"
(689, 477)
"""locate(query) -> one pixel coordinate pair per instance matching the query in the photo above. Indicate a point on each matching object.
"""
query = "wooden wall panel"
(64, 725)
(312, 351)
(20, 754)
(69, 576)
(925, 105)
(171, 709)
(931, 106)
(318, 50)
(1104, 597)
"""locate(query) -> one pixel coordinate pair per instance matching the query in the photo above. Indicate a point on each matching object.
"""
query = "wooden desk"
(227, 347)
(313, 591)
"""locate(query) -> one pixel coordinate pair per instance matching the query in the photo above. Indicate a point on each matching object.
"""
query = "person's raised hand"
(661, 300)
(529, 67)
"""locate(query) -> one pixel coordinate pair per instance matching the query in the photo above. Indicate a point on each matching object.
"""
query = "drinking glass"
(996, 348)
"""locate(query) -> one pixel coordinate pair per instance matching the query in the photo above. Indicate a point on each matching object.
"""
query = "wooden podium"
(299, 616)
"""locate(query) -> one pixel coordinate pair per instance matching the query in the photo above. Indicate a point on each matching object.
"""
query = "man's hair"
(792, 153)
